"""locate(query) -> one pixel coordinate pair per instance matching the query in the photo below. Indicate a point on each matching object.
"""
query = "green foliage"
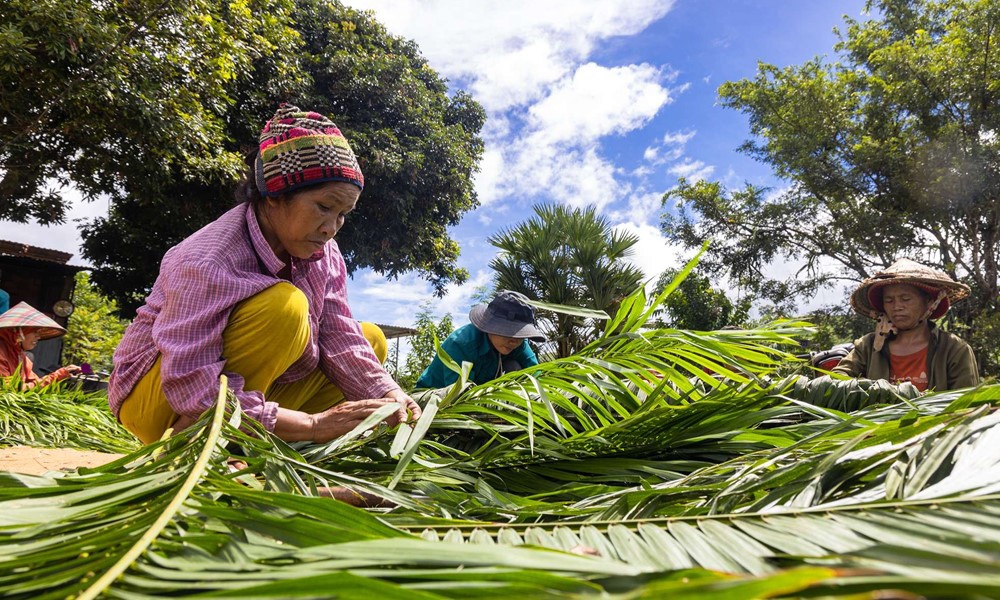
(154, 104)
(571, 257)
(889, 152)
(835, 325)
(697, 305)
(94, 327)
(123, 97)
(985, 337)
(422, 349)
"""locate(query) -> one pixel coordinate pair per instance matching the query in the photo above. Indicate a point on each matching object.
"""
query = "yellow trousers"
(265, 335)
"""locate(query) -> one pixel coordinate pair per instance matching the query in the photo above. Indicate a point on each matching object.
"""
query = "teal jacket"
(469, 344)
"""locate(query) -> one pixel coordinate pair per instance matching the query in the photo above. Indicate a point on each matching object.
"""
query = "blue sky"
(604, 103)
(589, 103)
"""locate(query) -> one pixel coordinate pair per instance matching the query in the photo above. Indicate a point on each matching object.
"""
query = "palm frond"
(57, 416)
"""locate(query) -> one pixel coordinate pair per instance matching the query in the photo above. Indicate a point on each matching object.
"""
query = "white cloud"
(692, 170)
(397, 302)
(642, 171)
(577, 177)
(526, 63)
(491, 176)
(598, 101)
(678, 138)
(643, 208)
(672, 148)
(653, 253)
(507, 52)
(559, 155)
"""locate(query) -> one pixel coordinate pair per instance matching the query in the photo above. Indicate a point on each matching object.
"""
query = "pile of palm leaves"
(59, 416)
(651, 464)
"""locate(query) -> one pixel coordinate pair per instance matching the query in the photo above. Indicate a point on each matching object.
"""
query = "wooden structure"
(40, 277)
(395, 332)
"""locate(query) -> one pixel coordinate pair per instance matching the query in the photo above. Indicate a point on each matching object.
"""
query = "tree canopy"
(697, 305)
(893, 151)
(155, 105)
(571, 257)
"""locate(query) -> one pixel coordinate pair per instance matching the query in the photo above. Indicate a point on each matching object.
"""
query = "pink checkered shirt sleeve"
(345, 355)
(188, 332)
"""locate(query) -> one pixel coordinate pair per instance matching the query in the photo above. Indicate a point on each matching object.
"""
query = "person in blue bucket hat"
(495, 342)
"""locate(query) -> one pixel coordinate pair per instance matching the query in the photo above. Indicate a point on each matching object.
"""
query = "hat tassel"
(882, 330)
(932, 306)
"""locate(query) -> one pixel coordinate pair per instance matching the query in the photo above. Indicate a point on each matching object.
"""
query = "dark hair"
(246, 189)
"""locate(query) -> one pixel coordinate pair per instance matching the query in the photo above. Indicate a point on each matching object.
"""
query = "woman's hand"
(293, 425)
(342, 418)
(411, 407)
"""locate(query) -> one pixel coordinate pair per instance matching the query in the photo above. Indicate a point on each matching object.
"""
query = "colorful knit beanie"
(299, 148)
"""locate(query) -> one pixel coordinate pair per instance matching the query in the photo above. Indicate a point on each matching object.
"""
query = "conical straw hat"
(24, 315)
(867, 299)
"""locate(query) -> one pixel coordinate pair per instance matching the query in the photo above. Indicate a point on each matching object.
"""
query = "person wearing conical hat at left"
(907, 346)
(21, 328)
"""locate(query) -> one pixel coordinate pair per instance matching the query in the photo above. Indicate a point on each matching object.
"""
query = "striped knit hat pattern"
(300, 148)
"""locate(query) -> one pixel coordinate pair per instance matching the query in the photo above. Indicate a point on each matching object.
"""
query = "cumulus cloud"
(549, 108)
(597, 101)
(560, 155)
(507, 53)
(692, 170)
(653, 253)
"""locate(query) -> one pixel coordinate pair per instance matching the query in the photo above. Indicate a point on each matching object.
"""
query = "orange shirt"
(12, 357)
(909, 367)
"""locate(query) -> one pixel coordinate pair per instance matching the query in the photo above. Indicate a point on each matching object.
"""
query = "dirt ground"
(36, 461)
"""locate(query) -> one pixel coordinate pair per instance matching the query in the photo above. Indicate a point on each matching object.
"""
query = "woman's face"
(504, 345)
(905, 304)
(303, 223)
(30, 340)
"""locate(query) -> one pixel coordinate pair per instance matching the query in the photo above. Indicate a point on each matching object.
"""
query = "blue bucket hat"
(509, 315)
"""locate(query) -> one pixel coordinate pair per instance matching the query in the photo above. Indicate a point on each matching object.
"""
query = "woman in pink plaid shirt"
(260, 295)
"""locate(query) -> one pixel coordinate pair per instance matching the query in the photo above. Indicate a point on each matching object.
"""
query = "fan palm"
(567, 257)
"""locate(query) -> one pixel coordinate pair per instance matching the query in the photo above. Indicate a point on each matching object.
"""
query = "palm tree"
(656, 463)
(569, 257)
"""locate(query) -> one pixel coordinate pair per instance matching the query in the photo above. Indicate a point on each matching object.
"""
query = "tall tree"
(571, 257)
(156, 104)
(892, 151)
(122, 97)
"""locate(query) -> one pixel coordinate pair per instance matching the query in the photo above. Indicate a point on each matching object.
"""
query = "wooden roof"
(393, 331)
(27, 251)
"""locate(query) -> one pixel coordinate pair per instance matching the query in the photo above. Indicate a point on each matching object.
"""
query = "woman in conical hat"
(907, 346)
(21, 328)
